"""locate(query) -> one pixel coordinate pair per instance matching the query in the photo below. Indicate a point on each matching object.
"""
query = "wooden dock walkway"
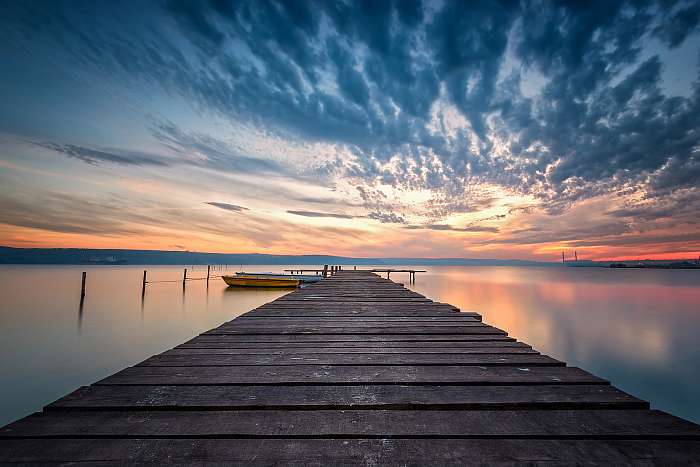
(355, 369)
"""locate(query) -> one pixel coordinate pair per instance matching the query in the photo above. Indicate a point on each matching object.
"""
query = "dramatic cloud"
(424, 114)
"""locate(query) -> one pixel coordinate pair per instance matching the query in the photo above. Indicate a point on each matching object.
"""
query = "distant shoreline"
(85, 256)
(125, 257)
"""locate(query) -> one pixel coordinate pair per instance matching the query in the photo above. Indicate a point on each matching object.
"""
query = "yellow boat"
(257, 281)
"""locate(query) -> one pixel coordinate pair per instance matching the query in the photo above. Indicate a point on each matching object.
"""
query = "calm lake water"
(638, 328)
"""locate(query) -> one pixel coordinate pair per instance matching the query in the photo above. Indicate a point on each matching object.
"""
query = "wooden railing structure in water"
(355, 369)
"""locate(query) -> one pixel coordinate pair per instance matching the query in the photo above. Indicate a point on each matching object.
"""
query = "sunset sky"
(378, 128)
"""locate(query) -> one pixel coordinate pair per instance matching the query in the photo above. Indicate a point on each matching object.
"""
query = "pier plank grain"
(375, 396)
(354, 369)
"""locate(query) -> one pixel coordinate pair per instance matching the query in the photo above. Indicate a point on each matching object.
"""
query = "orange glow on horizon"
(367, 244)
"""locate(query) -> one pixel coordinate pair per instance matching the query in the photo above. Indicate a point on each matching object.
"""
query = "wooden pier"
(354, 369)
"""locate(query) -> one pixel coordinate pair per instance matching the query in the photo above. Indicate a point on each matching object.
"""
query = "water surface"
(637, 328)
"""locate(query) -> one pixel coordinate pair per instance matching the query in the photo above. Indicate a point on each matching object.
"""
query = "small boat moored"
(304, 278)
(258, 281)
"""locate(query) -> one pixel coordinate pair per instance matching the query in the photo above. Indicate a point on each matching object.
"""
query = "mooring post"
(184, 278)
(354, 268)
(82, 285)
(143, 284)
(208, 267)
(387, 274)
(325, 270)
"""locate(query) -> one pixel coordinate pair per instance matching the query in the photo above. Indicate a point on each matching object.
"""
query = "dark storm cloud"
(365, 75)
(226, 206)
(679, 23)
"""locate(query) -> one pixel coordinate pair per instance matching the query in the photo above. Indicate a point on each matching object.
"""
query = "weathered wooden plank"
(341, 374)
(506, 424)
(367, 304)
(350, 324)
(331, 303)
(398, 296)
(231, 343)
(350, 350)
(354, 451)
(271, 338)
(433, 331)
(363, 297)
(387, 307)
(360, 299)
(298, 313)
(355, 291)
(378, 396)
(358, 328)
(502, 359)
(340, 320)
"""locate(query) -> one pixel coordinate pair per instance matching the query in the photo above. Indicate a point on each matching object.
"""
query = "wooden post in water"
(143, 284)
(82, 286)
(208, 267)
(325, 270)
(354, 268)
(184, 278)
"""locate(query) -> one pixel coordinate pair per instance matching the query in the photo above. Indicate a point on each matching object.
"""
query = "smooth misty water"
(637, 328)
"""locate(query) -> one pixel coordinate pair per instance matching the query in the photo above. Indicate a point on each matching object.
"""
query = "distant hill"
(10, 255)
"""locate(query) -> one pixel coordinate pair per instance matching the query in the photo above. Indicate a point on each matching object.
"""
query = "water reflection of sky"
(48, 348)
(637, 328)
